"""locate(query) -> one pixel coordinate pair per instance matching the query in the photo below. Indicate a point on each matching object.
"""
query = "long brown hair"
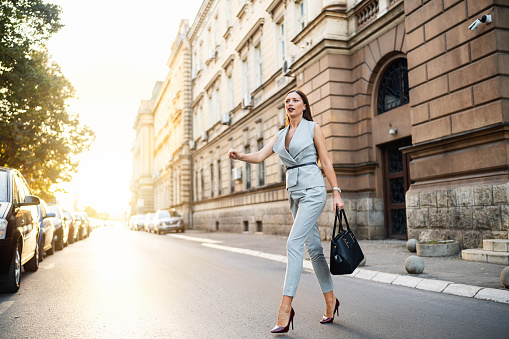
(306, 114)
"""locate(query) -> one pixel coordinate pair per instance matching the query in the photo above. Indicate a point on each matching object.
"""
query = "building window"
(232, 182)
(393, 91)
(246, 226)
(259, 226)
(281, 43)
(217, 99)
(202, 190)
(195, 186)
(248, 169)
(230, 92)
(211, 180)
(211, 112)
(261, 167)
(217, 225)
(219, 181)
(245, 78)
(258, 66)
(302, 14)
(283, 172)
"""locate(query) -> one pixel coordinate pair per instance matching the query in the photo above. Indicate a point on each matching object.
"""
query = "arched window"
(393, 90)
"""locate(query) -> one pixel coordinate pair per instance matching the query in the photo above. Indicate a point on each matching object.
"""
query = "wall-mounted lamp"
(306, 44)
(393, 131)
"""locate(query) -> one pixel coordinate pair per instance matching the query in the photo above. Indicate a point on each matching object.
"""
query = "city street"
(127, 284)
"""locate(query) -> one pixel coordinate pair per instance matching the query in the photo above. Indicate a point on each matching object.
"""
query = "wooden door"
(396, 183)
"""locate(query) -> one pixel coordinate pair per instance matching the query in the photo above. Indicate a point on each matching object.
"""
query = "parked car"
(19, 229)
(166, 221)
(61, 227)
(74, 226)
(46, 235)
(149, 222)
(86, 228)
(140, 222)
(132, 223)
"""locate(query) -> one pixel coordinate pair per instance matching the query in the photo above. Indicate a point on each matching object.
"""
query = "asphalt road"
(126, 284)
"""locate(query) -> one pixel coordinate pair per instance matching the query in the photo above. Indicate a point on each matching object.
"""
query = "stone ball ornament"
(414, 264)
(411, 245)
(504, 277)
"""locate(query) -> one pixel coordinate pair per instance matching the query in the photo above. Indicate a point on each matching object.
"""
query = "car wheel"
(52, 249)
(11, 283)
(71, 236)
(33, 264)
(41, 249)
(60, 242)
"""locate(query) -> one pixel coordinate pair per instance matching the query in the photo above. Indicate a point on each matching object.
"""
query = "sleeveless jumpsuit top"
(302, 151)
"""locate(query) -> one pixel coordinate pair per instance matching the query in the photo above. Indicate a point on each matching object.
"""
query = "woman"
(299, 145)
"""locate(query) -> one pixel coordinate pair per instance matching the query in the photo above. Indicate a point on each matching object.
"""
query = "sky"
(112, 52)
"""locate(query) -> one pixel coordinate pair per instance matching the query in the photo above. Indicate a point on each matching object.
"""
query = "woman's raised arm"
(255, 157)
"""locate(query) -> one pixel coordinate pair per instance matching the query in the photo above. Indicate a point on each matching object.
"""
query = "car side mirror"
(49, 215)
(30, 200)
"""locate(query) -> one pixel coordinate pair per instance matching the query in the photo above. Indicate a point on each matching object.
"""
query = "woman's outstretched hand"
(233, 154)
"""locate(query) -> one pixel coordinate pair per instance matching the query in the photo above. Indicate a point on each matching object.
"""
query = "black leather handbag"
(345, 252)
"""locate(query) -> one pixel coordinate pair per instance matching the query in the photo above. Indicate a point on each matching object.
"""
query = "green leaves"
(37, 134)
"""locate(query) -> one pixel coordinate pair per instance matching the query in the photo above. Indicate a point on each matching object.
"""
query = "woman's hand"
(338, 202)
(233, 154)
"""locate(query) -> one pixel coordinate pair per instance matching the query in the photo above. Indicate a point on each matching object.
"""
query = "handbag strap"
(339, 217)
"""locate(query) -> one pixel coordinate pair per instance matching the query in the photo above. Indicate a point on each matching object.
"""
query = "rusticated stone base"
(467, 214)
(365, 217)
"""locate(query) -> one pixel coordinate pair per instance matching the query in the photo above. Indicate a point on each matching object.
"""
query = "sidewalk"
(384, 263)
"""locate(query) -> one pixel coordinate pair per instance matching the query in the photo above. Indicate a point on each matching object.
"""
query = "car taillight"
(3, 228)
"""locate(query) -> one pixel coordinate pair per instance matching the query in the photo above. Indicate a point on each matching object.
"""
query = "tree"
(37, 134)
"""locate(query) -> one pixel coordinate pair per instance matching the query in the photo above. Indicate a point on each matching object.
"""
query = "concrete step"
(481, 255)
(496, 245)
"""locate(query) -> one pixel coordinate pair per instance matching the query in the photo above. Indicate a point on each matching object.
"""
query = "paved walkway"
(384, 263)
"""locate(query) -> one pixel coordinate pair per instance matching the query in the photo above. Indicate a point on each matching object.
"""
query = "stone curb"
(438, 286)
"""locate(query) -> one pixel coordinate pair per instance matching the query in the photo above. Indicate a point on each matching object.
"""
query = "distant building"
(411, 102)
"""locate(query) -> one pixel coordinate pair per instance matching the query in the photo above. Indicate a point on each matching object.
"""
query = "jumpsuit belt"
(306, 164)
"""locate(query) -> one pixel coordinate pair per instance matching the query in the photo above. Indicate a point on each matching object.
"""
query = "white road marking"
(185, 237)
(4, 306)
(274, 257)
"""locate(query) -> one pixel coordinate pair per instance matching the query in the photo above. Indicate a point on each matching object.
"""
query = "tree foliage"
(37, 134)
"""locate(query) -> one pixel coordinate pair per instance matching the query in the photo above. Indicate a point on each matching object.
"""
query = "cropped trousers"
(306, 206)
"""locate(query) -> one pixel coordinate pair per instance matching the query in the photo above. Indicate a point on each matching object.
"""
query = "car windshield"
(3, 185)
(168, 214)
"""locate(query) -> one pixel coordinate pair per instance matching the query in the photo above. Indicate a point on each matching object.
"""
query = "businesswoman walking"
(299, 146)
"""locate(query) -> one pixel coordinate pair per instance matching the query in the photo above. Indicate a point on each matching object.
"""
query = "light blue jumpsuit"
(307, 195)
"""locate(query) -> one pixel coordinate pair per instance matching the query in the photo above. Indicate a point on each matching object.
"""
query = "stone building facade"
(411, 102)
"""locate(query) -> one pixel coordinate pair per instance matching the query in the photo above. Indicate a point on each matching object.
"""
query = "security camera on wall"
(485, 19)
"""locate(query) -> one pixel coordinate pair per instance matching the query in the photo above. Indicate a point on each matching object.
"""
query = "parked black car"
(47, 230)
(19, 229)
(61, 227)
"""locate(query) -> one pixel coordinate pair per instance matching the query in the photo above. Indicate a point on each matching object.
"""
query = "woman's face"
(294, 105)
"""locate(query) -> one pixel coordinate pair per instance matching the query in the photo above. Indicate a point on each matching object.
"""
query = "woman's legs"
(283, 315)
(306, 207)
(330, 303)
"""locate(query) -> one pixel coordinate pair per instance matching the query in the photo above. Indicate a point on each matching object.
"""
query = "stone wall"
(467, 213)
(365, 217)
